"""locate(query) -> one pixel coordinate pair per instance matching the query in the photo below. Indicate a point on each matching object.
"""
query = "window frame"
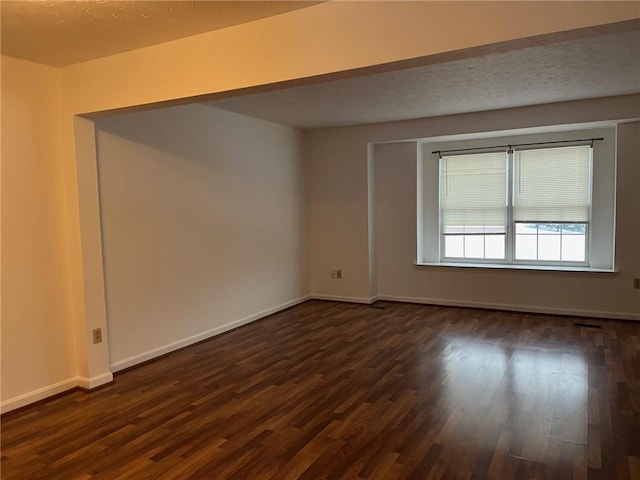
(510, 227)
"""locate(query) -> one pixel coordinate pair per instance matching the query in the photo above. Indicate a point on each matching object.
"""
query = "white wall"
(338, 228)
(339, 210)
(37, 337)
(203, 225)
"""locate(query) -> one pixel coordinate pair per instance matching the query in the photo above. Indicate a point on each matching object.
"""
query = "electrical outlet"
(97, 335)
(338, 274)
(636, 283)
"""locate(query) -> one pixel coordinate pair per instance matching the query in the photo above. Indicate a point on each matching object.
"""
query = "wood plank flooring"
(342, 391)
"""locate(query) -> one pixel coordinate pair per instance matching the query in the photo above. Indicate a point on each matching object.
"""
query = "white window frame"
(441, 235)
(510, 227)
(602, 224)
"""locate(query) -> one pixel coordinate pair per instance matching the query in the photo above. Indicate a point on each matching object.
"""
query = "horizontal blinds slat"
(474, 190)
(552, 185)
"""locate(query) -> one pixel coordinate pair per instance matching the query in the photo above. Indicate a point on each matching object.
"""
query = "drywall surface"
(295, 46)
(37, 337)
(628, 211)
(339, 210)
(338, 215)
(203, 225)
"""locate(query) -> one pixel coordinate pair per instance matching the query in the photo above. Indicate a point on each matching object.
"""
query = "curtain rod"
(511, 145)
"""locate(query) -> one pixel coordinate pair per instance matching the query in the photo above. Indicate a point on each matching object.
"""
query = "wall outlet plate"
(97, 335)
(636, 283)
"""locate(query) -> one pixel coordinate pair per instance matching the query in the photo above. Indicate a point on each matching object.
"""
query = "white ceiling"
(593, 67)
(63, 32)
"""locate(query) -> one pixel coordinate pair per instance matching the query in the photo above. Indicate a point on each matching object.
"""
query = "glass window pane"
(526, 228)
(574, 229)
(474, 246)
(526, 247)
(494, 246)
(454, 246)
(549, 247)
(549, 228)
(573, 248)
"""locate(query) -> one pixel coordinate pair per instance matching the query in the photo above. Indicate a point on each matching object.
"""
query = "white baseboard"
(97, 381)
(54, 389)
(39, 394)
(337, 298)
(107, 377)
(515, 308)
(185, 342)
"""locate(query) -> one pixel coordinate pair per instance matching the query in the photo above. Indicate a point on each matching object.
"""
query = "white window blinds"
(552, 185)
(474, 191)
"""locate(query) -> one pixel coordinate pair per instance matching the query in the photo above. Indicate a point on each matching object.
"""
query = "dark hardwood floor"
(330, 390)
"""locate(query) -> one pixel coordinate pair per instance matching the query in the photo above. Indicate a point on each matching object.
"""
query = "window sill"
(516, 267)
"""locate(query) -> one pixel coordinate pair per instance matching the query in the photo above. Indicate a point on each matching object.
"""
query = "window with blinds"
(474, 205)
(552, 203)
(523, 206)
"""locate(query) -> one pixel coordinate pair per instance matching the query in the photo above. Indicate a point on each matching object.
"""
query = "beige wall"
(203, 225)
(37, 336)
(339, 209)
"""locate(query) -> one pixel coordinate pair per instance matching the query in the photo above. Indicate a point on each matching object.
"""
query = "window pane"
(574, 229)
(526, 247)
(454, 246)
(549, 247)
(573, 248)
(494, 246)
(526, 228)
(474, 246)
(549, 228)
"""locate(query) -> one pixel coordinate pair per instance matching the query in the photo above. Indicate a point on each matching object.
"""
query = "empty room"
(320, 240)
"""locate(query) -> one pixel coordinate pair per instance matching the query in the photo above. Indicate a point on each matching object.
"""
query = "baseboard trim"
(86, 383)
(185, 342)
(338, 298)
(94, 382)
(514, 308)
(37, 395)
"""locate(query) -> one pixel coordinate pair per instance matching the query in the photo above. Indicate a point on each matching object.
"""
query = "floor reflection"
(530, 397)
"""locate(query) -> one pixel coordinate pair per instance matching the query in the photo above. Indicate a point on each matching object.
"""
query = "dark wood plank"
(331, 390)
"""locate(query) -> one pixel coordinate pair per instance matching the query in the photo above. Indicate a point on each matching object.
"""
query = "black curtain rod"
(511, 145)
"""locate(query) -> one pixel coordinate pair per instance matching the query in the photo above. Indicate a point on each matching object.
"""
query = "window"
(474, 205)
(529, 206)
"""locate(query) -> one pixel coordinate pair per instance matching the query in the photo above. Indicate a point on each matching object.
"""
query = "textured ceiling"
(587, 68)
(63, 32)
